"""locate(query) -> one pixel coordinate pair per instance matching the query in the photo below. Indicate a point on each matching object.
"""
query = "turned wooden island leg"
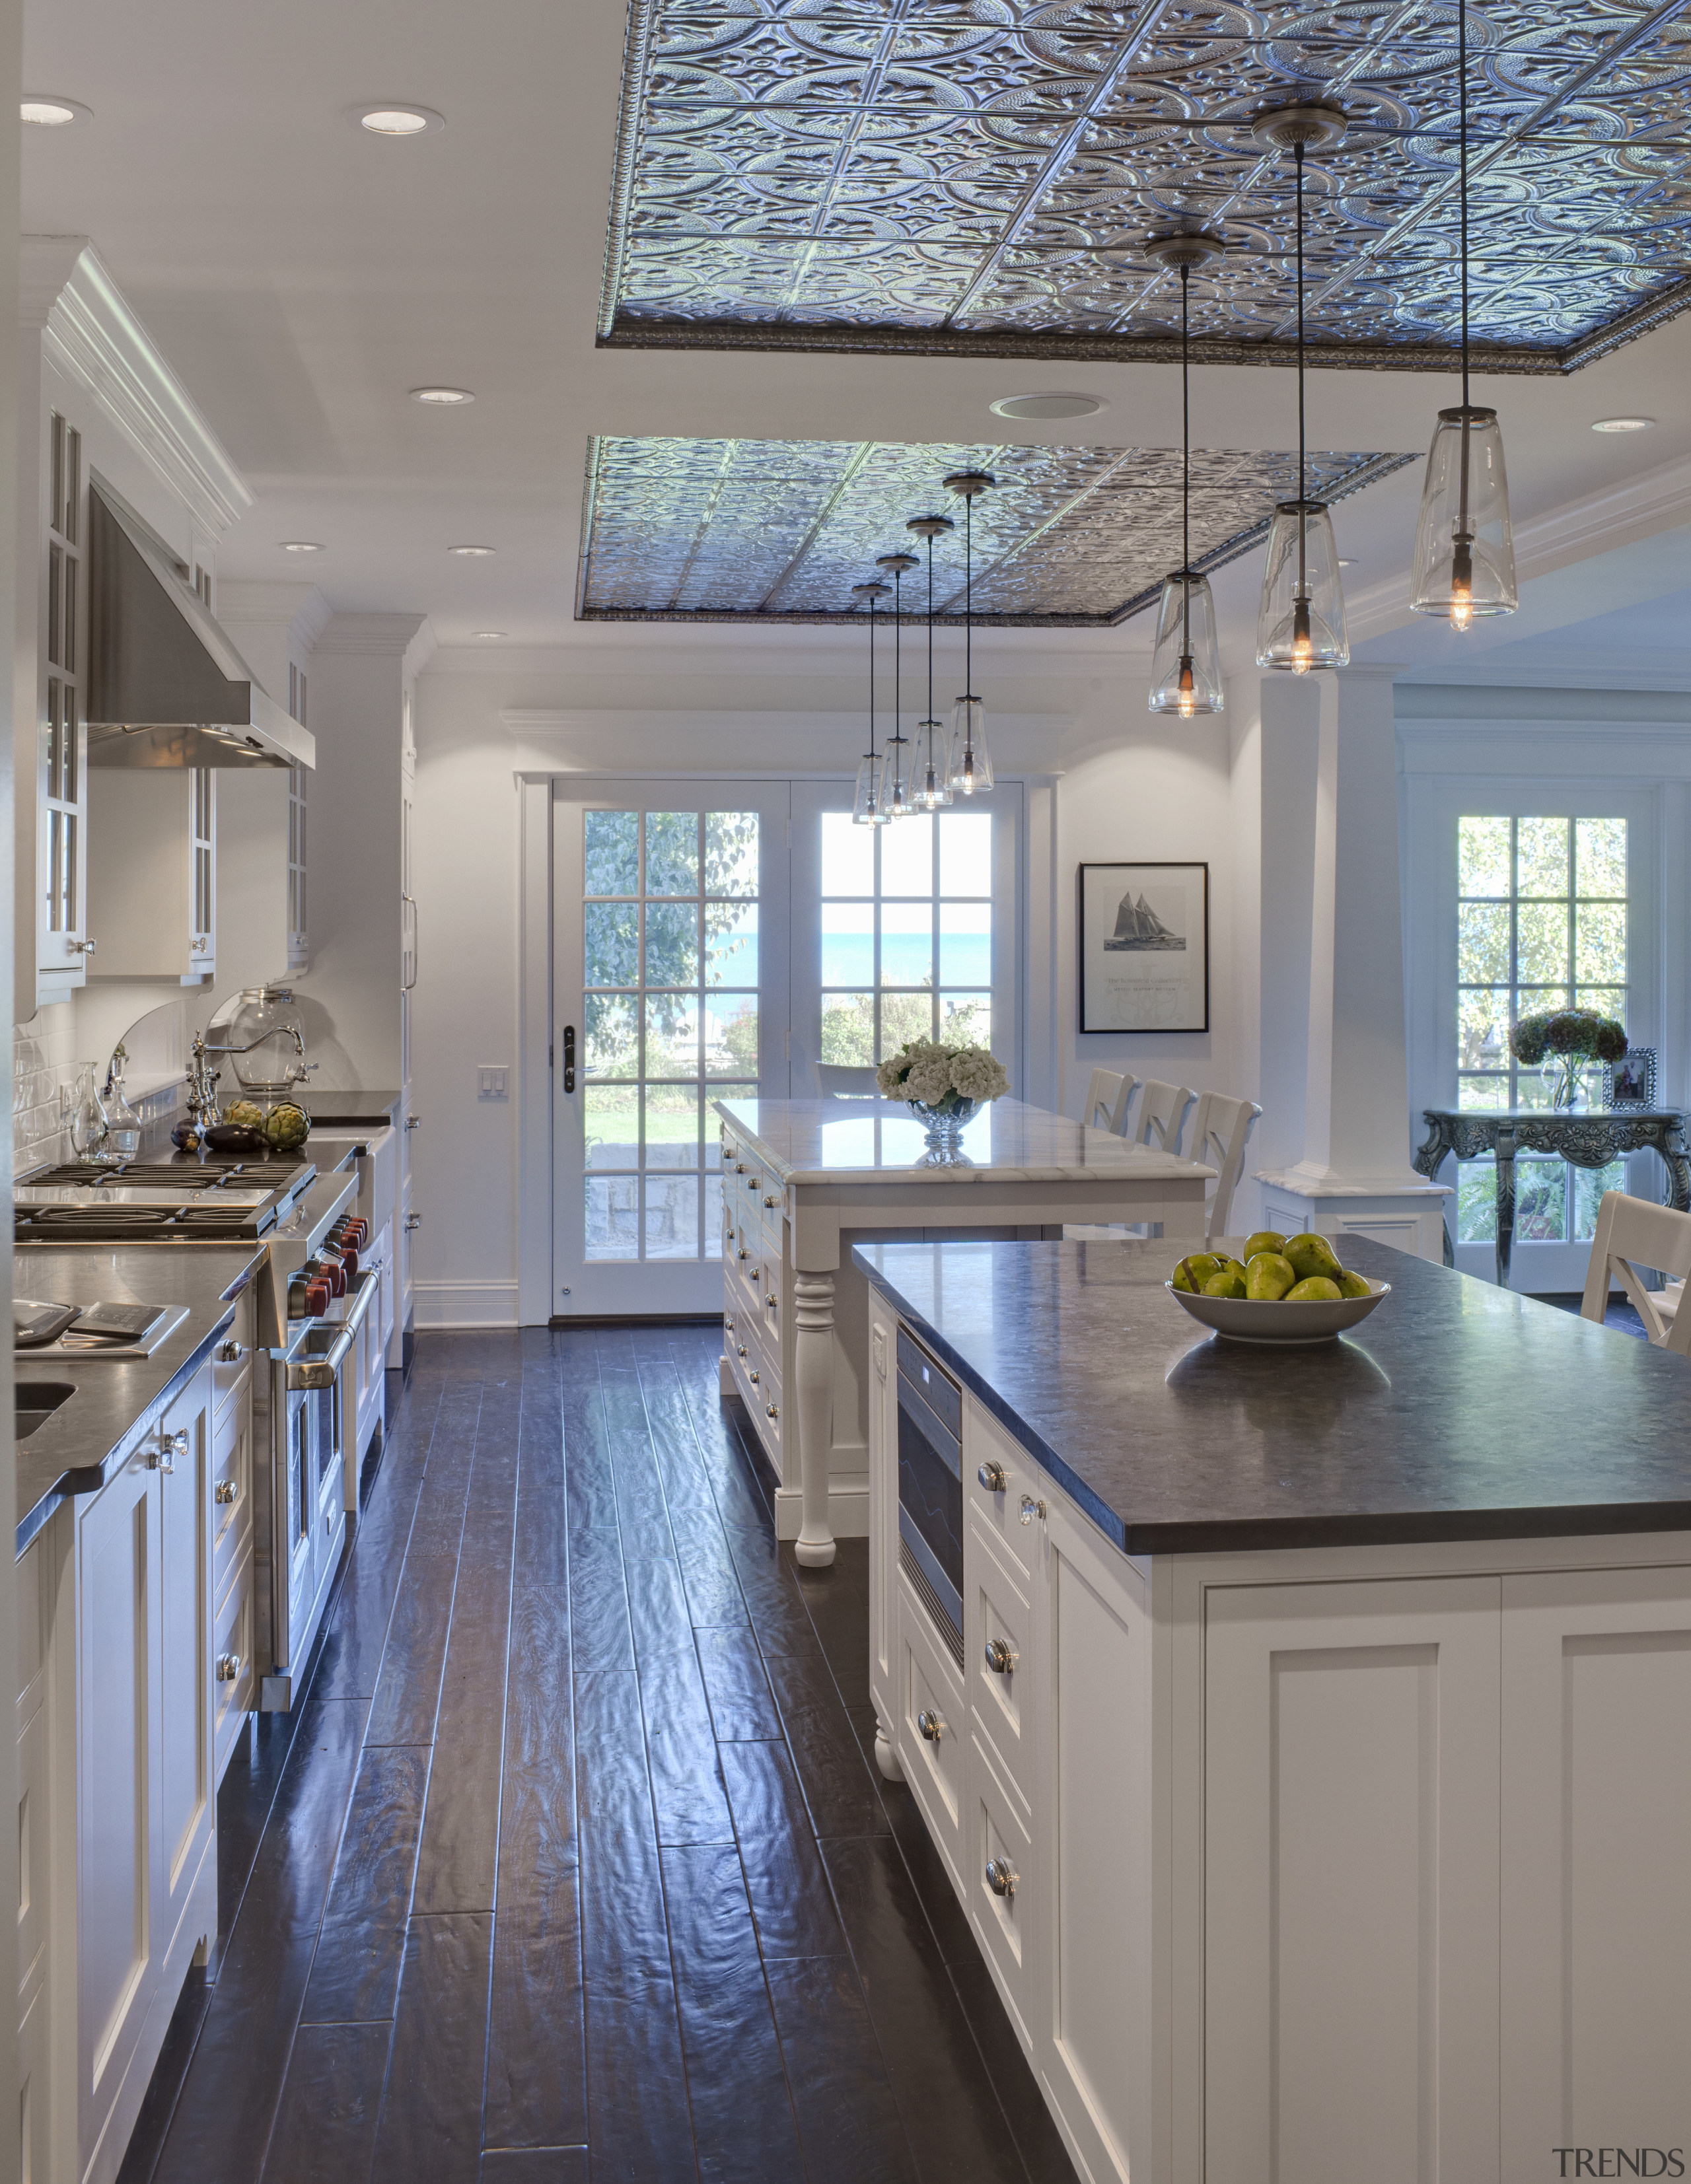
(886, 1751)
(813, 1370)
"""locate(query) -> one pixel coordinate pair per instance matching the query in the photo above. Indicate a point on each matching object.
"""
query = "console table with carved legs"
(803, 1180)
(1589, 1139)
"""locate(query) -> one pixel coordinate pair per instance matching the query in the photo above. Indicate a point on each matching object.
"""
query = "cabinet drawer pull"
(739, 1168)
(230, 1353)
(228, 1668)
(752, 1377)
(170, 1447)
(741, 1347)
(991, 1477)
(742, 1253)
(772, 1201)
(771, 1410)
(1001, 1876)
(225, 1491)
(1030, 1509)
(930, 1725)
(728, 1323)
(769, 1304)
(999, 1657)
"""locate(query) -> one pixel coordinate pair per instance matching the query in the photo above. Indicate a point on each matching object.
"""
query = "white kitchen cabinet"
(53, 852)
(152, 873)
(34, 1839)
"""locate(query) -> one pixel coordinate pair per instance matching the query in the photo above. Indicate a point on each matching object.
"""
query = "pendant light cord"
(1186, 478)
(967, 594)
(872, 688)
(1303, 489)
(1462, 158)
(930, 641)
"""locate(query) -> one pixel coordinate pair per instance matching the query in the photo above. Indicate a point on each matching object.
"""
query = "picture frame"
(1144, 947)
(1631, 1081)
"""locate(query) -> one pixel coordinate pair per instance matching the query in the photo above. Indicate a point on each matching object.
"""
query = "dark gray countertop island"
(68, 1453)
(1456, 1410)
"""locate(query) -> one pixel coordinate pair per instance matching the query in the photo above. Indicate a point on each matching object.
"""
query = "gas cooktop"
(142, 1202)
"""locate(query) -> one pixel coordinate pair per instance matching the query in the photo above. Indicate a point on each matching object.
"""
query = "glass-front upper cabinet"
(62, 940)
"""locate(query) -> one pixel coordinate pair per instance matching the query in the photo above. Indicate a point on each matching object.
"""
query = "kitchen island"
(802, 1178)
(1314, 1758)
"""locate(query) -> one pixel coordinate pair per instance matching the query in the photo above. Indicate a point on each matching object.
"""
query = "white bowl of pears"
(1280, 1289)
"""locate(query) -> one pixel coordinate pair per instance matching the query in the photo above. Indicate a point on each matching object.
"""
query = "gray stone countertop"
(324, 1105)
(69, 1452)
(1456, 1410)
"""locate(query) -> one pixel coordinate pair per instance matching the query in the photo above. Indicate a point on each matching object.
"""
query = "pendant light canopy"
(1185, 667)
(868, 807)
(971, 761)
(1464, 544)
(1300, 621)
(896, 766)
(932, 785)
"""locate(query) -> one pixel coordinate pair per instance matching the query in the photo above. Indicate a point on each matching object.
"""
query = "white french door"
(671, 918)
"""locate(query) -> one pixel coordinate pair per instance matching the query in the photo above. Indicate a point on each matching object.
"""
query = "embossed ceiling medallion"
(779, 531)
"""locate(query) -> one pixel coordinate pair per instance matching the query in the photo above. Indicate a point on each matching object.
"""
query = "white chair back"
(1163, 1110)
(1108, 1096)
(1220, 1129)
(1632, 1233)
(845, 1080)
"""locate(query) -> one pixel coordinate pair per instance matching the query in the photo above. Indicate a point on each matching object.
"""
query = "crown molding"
(91, 333)
(405, 637)
(300, 608)
(1543, 709)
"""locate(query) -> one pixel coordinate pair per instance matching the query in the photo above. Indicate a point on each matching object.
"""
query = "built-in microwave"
(930, 1519)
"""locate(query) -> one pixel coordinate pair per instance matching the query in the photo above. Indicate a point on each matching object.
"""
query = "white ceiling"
(303, 275)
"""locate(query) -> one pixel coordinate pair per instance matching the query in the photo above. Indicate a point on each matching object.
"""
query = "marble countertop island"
(1456, 1410)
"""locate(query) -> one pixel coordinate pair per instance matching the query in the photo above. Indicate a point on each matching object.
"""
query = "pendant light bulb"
(868, 806)
(1301, 617)
(970, 769)
(1465, 541)
(1185, 665)
(932, 788)
(895, 802)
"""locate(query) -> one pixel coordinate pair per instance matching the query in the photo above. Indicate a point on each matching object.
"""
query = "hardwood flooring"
(573, 1865)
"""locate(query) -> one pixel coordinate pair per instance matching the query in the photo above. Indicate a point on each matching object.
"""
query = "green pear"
(1229, 1283)
(1316, 1289)
(1269, 1275)
(1265, 1239)
(1192, 1273)
(1311, 1255)
(1354, 1285)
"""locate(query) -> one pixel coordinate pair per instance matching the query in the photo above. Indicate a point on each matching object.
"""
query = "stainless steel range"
(157, 1202)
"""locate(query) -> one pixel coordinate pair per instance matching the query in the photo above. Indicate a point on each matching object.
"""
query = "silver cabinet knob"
(771, 1411)
(413, 1222)
(228, 1668)
(742, 1253)
(1001, 1876)
(1030, 1509)
(991, 1477)
(159, 1459)
(772, 1201)
(930, 1725)
(999, 1657)
(414, 1121)
(82, 947)
(179, 1444)
(752, 1377)
(769, 1304)
(225, 1491)
(727, 1324)
(230, 1353)
(739, 1168)
(741, 1347)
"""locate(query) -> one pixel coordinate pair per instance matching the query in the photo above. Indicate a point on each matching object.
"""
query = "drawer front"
(988, 1448)
(932, 1740)
(762, 1397)
(1000, 1879)
(232, 1645)
(232, 1355)
(232, 1491)
(1001, 1679)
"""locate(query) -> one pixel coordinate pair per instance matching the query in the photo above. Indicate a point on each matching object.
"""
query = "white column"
(1334, 1043)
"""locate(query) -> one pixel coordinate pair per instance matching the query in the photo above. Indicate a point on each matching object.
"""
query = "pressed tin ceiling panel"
(980, 174)
(781, 530)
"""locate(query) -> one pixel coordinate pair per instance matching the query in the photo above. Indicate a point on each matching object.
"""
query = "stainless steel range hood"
(165, 686)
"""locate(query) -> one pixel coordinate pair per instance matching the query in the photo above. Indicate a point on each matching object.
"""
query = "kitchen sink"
(35, 1402)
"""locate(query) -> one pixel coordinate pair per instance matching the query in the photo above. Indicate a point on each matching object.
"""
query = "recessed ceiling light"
(490, 633)
(399, 120)
(470, 549)
(1623, 424)
(1048, 405)
(442, 397)
(301, 546)
(48, 111)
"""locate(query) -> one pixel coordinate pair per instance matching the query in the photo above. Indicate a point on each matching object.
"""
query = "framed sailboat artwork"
(1145, 948)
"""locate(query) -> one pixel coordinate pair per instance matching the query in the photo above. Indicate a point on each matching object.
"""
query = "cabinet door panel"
(1351, 1882)
(184, 1625)
(1597, 1883)
(1001, 1664)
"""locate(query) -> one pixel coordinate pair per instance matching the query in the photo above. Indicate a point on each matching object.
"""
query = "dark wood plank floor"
(573, 1865)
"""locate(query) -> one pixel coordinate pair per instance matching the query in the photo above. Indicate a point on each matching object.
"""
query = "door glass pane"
(848, 854)
(730, 1024)
(907, 855)
(613, 1216)
(731, 854)
(907, 943)
(672, 1127)
(848, 942)
(672, 853)
(731, 944)
(965, 853)
(966, 1019)
(612, 951)
(965, 943)
(672, 944)
(613, 853)
(1600, 855)
(613, 1036)
(848, 1027)
(673, 1029)
(611, 1115)
(672, 1217)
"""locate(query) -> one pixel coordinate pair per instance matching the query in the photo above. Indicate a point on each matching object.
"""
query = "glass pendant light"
(1301, 623)
(1464, 544)
(1185, 667)
(931, 786)
(971, 761)
(896, 799)
(868, 807)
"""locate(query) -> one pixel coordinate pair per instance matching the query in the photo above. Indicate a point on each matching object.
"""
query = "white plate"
(1256, 1319)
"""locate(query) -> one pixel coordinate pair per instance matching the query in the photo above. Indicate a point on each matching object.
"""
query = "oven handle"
(322, 1372)
(932, 1428)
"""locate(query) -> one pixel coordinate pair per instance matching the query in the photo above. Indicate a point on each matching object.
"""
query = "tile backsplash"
(40, 1085)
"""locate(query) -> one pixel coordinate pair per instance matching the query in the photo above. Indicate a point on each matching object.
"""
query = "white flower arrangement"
(940, 1075)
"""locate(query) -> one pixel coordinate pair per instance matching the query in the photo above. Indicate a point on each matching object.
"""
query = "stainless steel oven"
(300, 1525)
(930, 1486)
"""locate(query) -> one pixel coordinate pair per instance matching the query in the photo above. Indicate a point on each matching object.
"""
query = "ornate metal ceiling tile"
(780, 530)
(941, 175)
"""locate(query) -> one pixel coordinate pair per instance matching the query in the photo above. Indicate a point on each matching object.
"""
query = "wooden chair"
(1632, 1233)
(1108, 1098)
(1220, 1129)
(1163, 1111)
(845, 1080)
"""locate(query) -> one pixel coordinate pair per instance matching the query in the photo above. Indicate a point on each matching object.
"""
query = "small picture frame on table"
(1144, 947)
(1631, 1081)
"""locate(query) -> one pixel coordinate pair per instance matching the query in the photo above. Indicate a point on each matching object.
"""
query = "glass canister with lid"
(261, 1034)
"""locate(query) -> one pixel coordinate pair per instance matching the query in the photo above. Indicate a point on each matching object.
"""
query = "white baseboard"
(465, 1304)
(848, 1512)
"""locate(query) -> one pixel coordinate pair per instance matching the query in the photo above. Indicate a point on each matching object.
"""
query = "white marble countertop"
(835, 1141)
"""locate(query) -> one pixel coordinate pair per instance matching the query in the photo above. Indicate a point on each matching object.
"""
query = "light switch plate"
(493, 1081)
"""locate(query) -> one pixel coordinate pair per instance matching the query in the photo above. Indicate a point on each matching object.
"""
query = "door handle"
(569, 1057)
